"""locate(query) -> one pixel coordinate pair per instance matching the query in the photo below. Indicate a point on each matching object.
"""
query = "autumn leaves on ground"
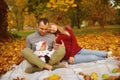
(11, 51)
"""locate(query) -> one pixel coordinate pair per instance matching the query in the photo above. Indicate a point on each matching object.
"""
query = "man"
(41, 35)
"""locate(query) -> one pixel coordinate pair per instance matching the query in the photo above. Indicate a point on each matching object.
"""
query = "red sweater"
(70, 43)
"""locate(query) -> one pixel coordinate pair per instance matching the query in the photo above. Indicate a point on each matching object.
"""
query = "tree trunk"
(4, 35)
(78, 19)
(72, 19)
(19, 18)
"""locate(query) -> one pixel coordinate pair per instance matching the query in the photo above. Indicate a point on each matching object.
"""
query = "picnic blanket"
(69, 73)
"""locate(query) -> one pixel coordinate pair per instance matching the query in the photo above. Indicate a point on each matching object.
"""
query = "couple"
(70, 51)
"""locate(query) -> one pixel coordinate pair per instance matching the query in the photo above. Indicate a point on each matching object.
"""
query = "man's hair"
(44, 20)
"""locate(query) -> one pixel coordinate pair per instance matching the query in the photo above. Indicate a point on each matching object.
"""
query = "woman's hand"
(71, 60)
(56, 46)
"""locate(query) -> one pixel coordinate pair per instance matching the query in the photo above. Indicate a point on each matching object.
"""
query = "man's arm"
(28, 44)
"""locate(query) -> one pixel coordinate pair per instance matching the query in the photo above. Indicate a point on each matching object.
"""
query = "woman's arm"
(74, 42)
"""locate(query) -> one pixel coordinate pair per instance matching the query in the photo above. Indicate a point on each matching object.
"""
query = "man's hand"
(71, 60)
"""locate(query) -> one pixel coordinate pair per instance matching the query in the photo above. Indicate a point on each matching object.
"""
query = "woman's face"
(53, 29)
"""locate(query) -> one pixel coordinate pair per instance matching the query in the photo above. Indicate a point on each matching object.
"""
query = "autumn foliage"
(11, 51)
(104, 41)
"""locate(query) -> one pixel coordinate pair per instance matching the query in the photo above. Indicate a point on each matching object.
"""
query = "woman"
(75, 53)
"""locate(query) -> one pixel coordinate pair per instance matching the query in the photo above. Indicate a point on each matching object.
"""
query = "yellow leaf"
(74, 5)
(52, 1)
(49, 5)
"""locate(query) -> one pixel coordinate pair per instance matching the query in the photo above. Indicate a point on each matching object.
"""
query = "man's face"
(43, 28)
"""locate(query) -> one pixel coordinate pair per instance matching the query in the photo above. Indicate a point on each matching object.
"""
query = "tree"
(73, 10)
(61, 8)
(37, 7)
(99, 14)
(78, 12)
(95, 11)
(4, 34)
(16, 7)
(116, 3)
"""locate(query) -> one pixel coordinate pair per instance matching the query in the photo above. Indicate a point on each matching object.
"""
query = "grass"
(79, 32)
(21, 34)
(96, 30)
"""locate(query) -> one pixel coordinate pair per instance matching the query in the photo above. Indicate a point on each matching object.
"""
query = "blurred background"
(19, 15)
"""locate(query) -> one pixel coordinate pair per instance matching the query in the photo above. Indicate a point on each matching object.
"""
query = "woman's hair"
(59, 28)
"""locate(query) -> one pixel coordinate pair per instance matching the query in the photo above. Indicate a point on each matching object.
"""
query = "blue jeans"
(86, 55)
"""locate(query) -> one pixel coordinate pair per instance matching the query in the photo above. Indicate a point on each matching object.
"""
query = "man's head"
(43, 25)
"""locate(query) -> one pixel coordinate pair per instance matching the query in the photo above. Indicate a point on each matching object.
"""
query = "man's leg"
(57, 56)
(32, 58)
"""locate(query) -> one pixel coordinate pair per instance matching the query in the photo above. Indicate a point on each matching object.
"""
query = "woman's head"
(53, 28)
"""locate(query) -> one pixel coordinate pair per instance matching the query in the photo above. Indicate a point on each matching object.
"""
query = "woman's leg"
(86, 55)
(86, 58)
(93, 52)
(57, 56)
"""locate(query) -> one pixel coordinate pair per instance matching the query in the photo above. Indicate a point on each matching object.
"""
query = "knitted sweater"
(70, 43)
